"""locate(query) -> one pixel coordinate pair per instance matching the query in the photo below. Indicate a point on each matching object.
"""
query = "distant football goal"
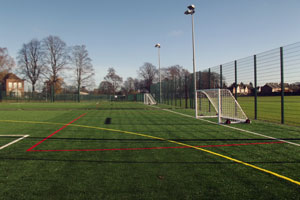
(220, 103)
(149, 100)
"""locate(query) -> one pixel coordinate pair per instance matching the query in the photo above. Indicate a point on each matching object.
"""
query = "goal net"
(220, 103)
(148, 99)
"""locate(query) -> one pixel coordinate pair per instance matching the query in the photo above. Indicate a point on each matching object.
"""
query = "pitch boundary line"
(15, 141)
(171, 141)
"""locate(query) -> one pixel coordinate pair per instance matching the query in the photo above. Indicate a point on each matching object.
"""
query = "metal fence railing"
(267, 85)
(67, 97)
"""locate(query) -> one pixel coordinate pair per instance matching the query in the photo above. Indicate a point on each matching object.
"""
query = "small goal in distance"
(220, 103)
(149, 100)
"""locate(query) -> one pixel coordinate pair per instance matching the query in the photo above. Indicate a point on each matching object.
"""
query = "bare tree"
(56, 56)
(105, 87)
(6, 62)
(83, 67)
(114, 79)
(174, 71)
(30, 61)
(129, 86)
(148, 73)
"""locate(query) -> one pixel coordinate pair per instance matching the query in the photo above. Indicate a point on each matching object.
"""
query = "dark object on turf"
(228, 121)
(161, 177)
(107, 120)
(248, 121)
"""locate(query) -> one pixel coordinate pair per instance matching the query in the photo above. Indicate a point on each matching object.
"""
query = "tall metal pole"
(282, 84)
(194, 68)
(159, 74)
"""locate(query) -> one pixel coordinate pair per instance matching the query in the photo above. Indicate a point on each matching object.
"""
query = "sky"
(122, 34)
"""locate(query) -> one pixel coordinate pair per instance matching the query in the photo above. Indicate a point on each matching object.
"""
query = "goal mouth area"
(221, 104)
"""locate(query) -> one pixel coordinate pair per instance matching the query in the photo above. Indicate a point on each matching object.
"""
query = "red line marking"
(30, 149)
(178, 147)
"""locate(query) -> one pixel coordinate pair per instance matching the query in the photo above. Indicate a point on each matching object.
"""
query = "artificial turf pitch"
(143, 153)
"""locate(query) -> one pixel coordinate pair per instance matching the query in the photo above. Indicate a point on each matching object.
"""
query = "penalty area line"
(17, 140)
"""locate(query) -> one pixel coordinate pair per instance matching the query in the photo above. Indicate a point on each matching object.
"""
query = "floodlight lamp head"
(189, 12)
(157, 45)
(191, 7)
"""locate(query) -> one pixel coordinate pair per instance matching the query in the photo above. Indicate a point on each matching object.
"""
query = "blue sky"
(122, 34)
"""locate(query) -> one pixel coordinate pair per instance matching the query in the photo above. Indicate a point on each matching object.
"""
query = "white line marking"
(17, 140)
(11, 135)
(242, 130)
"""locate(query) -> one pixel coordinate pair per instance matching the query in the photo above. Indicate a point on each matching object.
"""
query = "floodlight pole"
(191, 11)
(158, 47)
(194, 68)
(159, 75)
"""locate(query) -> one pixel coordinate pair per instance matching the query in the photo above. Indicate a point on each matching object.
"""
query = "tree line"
(147, 75)
(47, 61)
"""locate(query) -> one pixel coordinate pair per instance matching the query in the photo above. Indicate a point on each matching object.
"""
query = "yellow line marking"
(171, 141)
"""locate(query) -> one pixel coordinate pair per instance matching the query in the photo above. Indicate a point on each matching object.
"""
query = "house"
(243, 89)
(271, 88)
(12, 85)
(84, 91)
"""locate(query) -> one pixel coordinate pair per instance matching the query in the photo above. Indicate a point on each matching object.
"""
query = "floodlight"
(191, 7)
(189, 12)
(157, 45)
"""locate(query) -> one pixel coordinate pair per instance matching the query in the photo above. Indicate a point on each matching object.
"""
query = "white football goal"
(149, 100)
(219, 103)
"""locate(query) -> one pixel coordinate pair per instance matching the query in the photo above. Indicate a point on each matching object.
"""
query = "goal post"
(149, 100)
(221, 104)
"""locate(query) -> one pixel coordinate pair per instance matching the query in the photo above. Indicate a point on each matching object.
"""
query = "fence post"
(180, 91)
(255, 88)
(199, 78)
(235, 79)
(175, 91)
(172, 91)
(78, 94)
(186, 92)
(1, 92)
(282, 84)
(52, 93)
(209, 87)
(168, 91)
(221, 79)
(209, 78)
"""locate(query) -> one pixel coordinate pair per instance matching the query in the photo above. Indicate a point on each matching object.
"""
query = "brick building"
(12, 85)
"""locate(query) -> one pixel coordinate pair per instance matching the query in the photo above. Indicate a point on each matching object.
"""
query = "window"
(9, 84)
(19, 85)
(15, 85)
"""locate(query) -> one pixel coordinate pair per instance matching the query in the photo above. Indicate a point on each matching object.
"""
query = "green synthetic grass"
(268, 108)
(139, 174)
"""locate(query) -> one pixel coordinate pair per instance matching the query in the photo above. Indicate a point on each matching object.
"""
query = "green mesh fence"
(43, 97)
(266, 85)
